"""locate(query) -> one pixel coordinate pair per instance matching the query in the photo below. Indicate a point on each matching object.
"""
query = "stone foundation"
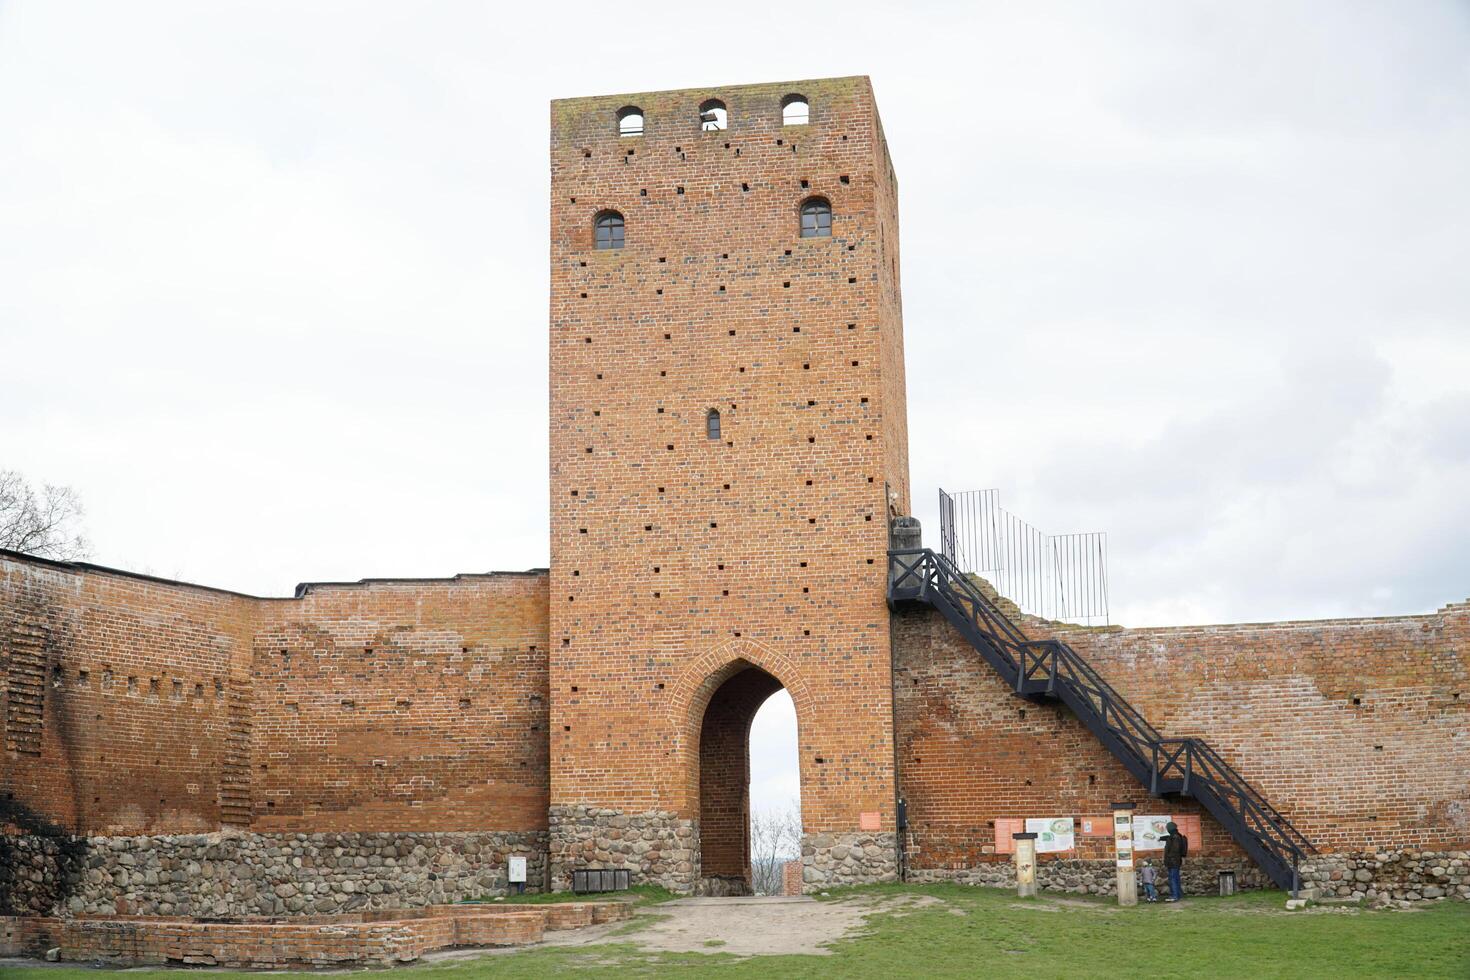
(1095, 877)
(832, 860)
(239, 874)
(658, 847)
(723, 886)
(1385, 877)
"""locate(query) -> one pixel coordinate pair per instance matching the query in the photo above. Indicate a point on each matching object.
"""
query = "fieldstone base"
(723, 886)
(240, 874)
(1390, 877)
(835, 859)
(658, 847)
(1201, 876)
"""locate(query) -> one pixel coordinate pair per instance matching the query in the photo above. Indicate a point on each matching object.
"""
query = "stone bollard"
(1123, 847)
(1025, 864)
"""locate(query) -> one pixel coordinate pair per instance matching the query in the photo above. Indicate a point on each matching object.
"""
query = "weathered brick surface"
(310, 941)
(1277, 700)
(172, 708)
(133, 692)
(791, 878)
(403, 705)
(674, 555)
(1356, 729)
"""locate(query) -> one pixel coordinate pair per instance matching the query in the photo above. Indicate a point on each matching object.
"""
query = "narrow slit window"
(712, 424)
(608, 229)
(712, 116)
(816, 218)
(630, 121)
(795, 111)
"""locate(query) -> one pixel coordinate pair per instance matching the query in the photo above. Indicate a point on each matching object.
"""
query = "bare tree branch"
(775, 838)
(46, 525)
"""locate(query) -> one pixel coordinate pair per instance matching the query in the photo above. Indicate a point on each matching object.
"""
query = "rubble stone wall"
(238, 873)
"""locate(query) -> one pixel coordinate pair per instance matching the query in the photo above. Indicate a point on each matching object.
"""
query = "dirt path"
(750, 926)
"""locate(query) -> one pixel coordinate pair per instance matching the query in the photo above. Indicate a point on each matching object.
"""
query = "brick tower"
(728, 440)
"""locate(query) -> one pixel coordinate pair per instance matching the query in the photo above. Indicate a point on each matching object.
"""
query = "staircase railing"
(1052, 669)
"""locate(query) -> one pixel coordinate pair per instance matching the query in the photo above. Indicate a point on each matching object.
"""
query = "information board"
(1149, 832)
(1052, 833)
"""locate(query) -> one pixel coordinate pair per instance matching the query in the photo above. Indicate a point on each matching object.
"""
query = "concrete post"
(1025, 864)
(1123, 848)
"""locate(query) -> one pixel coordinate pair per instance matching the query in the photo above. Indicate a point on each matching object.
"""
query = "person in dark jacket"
(1176, 849)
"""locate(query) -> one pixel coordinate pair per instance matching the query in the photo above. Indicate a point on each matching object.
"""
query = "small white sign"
(517, 870)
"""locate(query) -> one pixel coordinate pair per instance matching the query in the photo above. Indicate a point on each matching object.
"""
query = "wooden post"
(1025, 864)
(1123, 848)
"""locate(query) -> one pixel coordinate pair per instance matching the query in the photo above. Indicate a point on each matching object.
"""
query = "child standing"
(1148, 879)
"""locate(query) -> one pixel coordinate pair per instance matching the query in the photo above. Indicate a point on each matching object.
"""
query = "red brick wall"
(403, 706)
(1275, 699)
(1356, 729)
(791, 877)
(381, 938)
(673, 554)
(171, 708)
(132, 680)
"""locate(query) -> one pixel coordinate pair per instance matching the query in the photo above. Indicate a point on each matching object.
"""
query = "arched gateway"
(712, 706)
(696, 572)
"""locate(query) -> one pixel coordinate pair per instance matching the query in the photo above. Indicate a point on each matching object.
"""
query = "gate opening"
(725, 766)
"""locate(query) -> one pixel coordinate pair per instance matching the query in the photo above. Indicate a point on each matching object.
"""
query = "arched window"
(816, 218)
(607, 229)
(630, 121)
(712, 424)
(712, 115)
(795, 111)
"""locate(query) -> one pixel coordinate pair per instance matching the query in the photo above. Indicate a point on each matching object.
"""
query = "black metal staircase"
(1041, 670)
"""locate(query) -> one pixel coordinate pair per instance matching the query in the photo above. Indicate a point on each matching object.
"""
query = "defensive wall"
(173, 749)
(1357, 729)
(388, 747)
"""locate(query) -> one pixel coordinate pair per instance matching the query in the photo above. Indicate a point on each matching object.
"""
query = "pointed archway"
(724, 780)
(716, 698)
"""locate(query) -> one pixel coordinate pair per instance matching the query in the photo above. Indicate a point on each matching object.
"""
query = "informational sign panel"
(1123, 843)
(517, 870)
(1052, 833)
(1004, 828)
(1149, 832)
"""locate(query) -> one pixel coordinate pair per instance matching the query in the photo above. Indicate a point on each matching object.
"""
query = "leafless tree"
(775, 838)
(45, 524)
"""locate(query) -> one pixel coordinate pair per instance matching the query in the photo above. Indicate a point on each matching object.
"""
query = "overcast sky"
(273, 279)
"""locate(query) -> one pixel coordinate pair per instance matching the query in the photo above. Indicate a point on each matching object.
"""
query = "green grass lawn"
(986, 932)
